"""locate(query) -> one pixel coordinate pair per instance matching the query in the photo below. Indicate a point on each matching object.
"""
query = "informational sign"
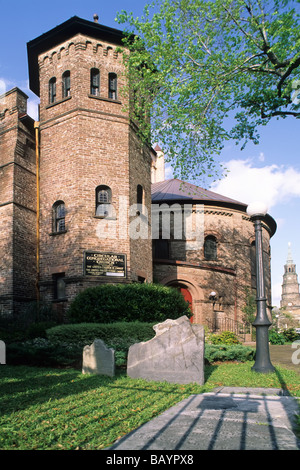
(104, 264)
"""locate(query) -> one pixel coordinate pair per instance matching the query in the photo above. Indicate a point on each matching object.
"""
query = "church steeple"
(290, 298)
(289, 256)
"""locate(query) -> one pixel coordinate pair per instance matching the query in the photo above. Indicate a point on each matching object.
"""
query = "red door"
(188, 297)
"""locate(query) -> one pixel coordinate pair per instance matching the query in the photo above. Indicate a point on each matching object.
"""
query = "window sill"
(53, 234)
(58, 102)
(101, 98)
(104, 217)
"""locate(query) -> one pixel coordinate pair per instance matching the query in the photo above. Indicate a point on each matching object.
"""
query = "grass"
(52, 409)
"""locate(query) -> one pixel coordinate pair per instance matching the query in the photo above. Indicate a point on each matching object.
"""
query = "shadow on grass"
(22, 386)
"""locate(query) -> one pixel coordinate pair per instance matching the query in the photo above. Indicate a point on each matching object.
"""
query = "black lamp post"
(262, 323)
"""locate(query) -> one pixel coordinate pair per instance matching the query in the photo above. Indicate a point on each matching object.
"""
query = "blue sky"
(269, 171)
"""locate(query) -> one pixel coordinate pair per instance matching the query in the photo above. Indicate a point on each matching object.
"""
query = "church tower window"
(66, 84)
(112, 86)
(52, 90)
(103, 201)
(95, 82)
(59, 214)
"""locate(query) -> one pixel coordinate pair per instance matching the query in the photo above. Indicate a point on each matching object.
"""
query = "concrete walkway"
(226, 419)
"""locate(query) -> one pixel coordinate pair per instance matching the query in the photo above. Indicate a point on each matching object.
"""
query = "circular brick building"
(214, 263)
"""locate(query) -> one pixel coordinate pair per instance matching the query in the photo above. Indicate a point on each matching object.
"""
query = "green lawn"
(50, 409)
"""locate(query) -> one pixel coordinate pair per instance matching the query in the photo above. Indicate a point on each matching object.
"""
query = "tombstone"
(175, 354)
(2, 352)
(98, 359)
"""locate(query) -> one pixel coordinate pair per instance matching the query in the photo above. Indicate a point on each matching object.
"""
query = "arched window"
(66, 84)
(52, 90)
(95, 82)
(210, 247)
(112, 86)
(59, 215)
(103, 201)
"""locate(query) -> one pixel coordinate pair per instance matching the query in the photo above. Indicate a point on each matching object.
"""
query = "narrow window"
(59, 214)
(139, 194)
(103, 201)
(95, 82)
(52, 90)
(210, 248)
(112, 86)
(161, 248)
(59, 286)
(66, 84)
(140, 199)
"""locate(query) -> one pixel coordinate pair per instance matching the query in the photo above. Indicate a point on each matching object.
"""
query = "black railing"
(218, 325)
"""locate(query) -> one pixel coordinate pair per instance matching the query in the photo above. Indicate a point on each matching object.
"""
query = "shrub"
(42, 352)
(276, 338)
(233, 352)
(290, 335)
(85, 333)
(119, 336)
(226, 337)
(109, 303)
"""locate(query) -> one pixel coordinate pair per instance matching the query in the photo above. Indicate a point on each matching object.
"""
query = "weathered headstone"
(2, 352)
(175, 354)
(98, 359)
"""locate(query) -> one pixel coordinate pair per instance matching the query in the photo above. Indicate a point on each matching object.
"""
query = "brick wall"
(227, 275)
(17, 202)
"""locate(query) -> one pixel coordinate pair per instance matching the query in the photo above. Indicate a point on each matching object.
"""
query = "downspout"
(37, 156)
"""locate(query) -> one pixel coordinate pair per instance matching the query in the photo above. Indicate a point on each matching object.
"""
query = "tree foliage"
(207, 71)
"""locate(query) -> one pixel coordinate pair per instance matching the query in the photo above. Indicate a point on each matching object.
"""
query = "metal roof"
(177, 190)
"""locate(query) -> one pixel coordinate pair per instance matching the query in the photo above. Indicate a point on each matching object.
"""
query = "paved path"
(226, 419)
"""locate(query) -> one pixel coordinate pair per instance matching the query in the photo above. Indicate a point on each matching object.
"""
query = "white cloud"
(2, 86)
(32, 108)
(276, 293)
(271, 184)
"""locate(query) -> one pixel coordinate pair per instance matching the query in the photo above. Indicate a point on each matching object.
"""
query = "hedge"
(109, 303)
(85, 333)
(232, 352)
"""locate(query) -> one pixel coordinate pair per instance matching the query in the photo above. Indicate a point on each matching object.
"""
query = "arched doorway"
(186, 294)
(189, 288)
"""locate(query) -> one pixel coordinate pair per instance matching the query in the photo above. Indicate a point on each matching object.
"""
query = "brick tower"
(17, 203)
(290, 298)
(92, 168)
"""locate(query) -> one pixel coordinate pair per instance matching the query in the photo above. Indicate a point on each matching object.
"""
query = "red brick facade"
(17, 203)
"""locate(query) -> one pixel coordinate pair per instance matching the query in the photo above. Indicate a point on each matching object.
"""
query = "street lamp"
(257, 211)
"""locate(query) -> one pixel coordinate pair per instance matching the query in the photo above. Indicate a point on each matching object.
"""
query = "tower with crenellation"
(92, 166)
(290, 298)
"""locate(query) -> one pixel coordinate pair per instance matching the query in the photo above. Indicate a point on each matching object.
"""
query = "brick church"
(79, 192)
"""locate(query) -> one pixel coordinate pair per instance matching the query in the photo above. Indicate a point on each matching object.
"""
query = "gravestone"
(2, 352)
(98, 359)
(175, 354)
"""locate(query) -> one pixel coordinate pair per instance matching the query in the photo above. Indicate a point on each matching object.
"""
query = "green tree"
(207, 71)
(250, 307)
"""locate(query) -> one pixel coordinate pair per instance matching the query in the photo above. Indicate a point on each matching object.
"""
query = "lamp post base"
(262, 359)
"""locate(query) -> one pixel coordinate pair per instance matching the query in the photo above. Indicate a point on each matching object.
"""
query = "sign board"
(104, 264)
